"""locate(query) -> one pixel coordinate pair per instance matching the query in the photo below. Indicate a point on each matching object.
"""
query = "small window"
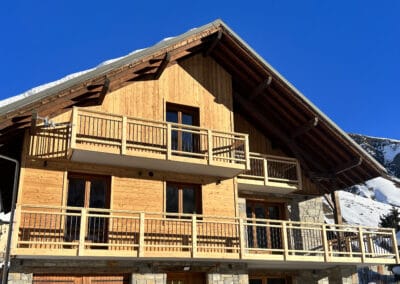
(183, 198)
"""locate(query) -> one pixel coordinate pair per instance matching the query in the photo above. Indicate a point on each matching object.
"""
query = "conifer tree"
(391, 220)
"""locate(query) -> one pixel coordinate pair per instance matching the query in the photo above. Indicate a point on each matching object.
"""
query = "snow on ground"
(390, 151)
(385, 190)
(357, 210)
(5, 217)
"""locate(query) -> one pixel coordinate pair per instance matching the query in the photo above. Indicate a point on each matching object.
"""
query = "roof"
(262, 94)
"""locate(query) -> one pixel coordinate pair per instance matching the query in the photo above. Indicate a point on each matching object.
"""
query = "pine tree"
(391, 220)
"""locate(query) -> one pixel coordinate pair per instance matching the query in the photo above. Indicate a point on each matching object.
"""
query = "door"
(183, 140)
(186, 278)
(258, 235)
(90, 192)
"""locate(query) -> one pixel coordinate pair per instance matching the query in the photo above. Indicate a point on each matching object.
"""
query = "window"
(269, 280)
(183, 198)
(183, 140)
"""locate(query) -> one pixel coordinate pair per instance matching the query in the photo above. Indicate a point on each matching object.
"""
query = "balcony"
(78, 232)
(110, 139)
(272, 174)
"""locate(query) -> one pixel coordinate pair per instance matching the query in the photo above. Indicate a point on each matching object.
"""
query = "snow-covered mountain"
(363, 204)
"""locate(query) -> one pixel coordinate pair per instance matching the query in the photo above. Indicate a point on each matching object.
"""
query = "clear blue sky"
(343, 55)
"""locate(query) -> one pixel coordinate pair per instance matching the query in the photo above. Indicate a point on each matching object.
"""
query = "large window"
(183, 139)
(183, 198)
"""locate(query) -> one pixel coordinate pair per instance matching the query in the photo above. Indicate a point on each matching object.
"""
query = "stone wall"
(148, 278)
(19, 278)
(219, 278)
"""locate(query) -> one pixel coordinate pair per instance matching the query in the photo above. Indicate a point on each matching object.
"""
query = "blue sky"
(343, 55)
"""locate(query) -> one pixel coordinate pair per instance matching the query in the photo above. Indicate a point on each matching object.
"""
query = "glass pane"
(187, 141)
(255, 281)
(273, 212)
(98, 194)
(172, 116)
(76, 192)
(187, 119)
(172, 199)
(189, 200)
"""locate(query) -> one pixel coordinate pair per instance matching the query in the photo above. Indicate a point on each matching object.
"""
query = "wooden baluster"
(265, 165)
(247, 151)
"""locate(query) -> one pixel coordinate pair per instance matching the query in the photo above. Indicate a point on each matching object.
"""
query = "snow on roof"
(46, 86)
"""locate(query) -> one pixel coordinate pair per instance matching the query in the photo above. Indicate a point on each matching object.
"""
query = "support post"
(325, 243)
(141, 235)
(210, 147)
(285, 241)
(82, 232)
(395, 247)
(169, 142)
(362, 245)
(15, 227)
(265, 165)
(194, 236)
(242, 238)
(247, 151)
(123, 135)
(74, 127)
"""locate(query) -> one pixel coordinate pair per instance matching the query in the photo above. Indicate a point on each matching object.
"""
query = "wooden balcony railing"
(70, 231)
(274, 171)
(148, 138)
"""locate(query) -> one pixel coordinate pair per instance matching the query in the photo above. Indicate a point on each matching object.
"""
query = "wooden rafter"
(260, 88)
(213, 44)
(305, 128)
(348, 166)
(104, 91)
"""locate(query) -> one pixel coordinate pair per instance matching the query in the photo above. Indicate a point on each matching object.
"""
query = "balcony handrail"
(346, 227)
(156, 137)
(164, 123)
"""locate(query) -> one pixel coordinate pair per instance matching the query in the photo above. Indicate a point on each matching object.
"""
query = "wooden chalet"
(192, 161)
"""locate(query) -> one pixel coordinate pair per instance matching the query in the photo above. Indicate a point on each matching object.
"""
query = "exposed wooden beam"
(34, 120)
(305, 128)
(104, 91)
(213, 44)
(163, 65)
(260, 88)
(348, 166)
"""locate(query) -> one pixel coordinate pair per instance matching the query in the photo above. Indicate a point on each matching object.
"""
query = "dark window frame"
(181, 187)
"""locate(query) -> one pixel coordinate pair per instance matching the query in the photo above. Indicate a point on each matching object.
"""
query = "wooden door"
(184, 141)
(261, 236)
(90, 192)
(186, 278)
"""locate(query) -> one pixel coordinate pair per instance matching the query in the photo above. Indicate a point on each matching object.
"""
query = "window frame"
(180, 186)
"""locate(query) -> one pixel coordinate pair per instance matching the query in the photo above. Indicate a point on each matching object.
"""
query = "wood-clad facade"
(164, 172)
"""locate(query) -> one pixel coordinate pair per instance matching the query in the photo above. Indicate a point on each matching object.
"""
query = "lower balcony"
(274, 174)
(50, 232)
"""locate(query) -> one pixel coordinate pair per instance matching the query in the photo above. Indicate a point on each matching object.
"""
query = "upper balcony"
(105, 138)
(43, 232)
(274, 174)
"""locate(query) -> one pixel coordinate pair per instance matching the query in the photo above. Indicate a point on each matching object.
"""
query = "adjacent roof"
(327, 154)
